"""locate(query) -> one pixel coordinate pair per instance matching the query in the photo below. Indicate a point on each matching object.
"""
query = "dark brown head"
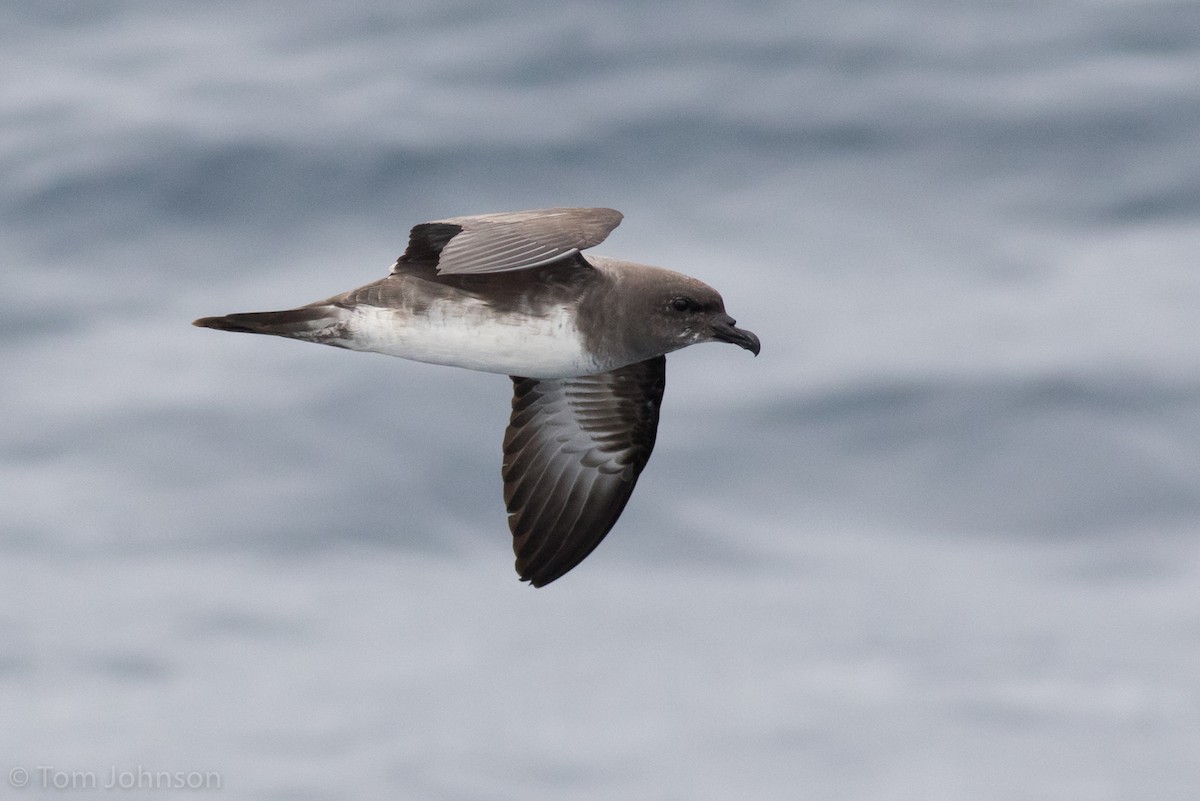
(666, 311)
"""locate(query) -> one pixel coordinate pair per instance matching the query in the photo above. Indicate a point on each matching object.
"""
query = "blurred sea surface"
(939, 541)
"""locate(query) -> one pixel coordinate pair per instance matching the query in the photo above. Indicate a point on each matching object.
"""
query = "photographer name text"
(113, 778)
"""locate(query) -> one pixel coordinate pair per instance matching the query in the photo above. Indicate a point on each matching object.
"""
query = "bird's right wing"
(572, 454)
(516, 240)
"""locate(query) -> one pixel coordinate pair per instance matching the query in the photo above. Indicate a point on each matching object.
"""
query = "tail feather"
(307, 322)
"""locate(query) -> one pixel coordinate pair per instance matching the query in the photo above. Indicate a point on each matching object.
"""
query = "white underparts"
(470, 334)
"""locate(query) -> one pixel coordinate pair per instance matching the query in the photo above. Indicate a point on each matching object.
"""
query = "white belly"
(468, 333)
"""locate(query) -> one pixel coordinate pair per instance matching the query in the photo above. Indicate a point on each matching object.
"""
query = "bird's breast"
(470, 333)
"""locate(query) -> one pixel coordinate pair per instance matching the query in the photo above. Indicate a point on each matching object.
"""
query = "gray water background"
(938, 542)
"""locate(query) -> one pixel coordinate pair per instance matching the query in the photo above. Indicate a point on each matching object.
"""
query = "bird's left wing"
(515, 240)
(572, 453)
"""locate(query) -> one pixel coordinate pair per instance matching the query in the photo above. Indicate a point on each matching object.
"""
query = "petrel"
(583, 339)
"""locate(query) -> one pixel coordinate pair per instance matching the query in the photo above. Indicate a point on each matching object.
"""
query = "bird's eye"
(683, 304)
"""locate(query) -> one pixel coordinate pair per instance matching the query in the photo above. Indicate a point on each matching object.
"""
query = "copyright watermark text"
(113, 778)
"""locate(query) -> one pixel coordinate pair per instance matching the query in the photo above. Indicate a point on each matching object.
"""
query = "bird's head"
(687, 312)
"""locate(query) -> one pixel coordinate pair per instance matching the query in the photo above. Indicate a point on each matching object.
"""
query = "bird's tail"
(314, 323)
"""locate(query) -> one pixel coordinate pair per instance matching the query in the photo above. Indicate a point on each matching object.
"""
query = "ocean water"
(939, 541)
